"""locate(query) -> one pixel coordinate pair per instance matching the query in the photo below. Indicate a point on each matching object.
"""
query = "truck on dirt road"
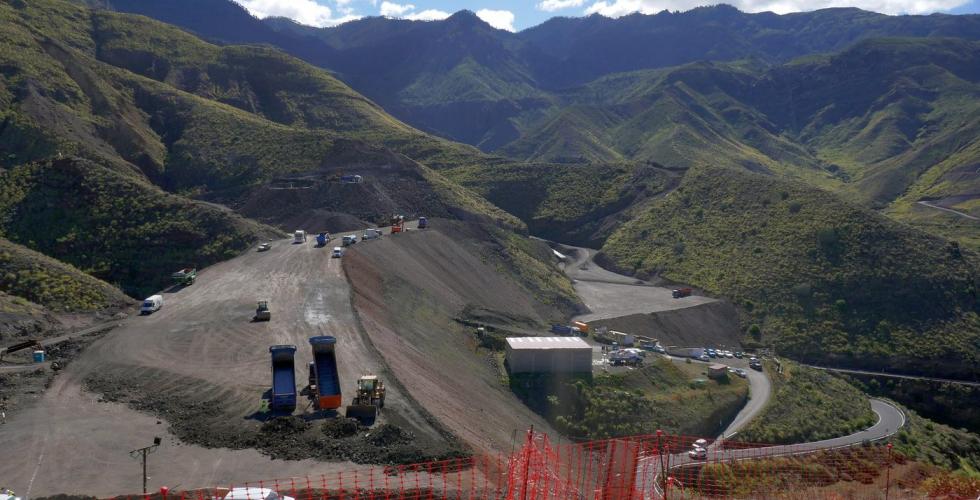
(283, 396)
(371, 234)
(262, 312)
(299, 236)
(423, 223)
(322, 239)
(184, 277)
(327, 395)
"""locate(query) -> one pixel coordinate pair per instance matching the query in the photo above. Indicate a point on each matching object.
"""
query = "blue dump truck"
(561, 329)
(423, 223)
(327, 396)
(283, 378)
(321, 240)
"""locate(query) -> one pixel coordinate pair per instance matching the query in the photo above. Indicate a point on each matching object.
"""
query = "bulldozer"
(262, 312)
(369, 399)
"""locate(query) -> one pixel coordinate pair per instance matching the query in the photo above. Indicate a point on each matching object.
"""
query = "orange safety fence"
(628, 468)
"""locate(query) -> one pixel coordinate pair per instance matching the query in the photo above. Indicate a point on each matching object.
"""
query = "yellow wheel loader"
(369, 399)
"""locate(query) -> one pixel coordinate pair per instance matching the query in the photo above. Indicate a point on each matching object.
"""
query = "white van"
(338, 252)
(299, 236)
(152, 304)
(254, 494)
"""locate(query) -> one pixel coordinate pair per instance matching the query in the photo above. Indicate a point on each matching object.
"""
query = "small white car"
(254, 494)
(698, 454)
(701, 443)
(338, 252)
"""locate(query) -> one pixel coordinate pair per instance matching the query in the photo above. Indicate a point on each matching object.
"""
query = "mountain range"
(765, 159)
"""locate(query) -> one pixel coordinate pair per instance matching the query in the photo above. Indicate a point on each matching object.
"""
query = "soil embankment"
(409, 291)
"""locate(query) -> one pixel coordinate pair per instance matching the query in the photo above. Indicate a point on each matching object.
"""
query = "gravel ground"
(200, 363)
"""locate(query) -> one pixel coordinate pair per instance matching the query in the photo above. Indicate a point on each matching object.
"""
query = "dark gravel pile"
(281, 437)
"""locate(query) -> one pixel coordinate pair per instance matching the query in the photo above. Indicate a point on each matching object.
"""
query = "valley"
(576, 240)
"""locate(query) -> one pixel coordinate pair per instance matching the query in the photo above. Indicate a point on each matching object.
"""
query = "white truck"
(371, 234)
(338, 252)
(299, 236)
(349, 240)
(152, 304)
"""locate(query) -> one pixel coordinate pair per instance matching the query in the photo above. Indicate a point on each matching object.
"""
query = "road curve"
(890, 420)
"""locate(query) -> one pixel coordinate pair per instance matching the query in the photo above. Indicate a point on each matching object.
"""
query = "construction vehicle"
(327, 387)
(423, 223)
(322, 239)
(283, 397)
(681, 292)
(369, 399)
(262, 312)
(185, 277)
(397, 224)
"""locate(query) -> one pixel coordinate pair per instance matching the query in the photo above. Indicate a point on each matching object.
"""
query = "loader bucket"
(365, 413)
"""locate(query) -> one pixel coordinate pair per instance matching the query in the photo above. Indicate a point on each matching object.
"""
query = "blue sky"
(519, 14)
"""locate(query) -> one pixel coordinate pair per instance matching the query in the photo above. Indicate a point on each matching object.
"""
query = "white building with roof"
(548, 355)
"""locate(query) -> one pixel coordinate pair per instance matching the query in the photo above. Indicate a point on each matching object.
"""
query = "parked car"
(729, 354)
(739, 354)
(697, 453)
(704, 357)
(264, 247)
(741, 372)
(254, 494)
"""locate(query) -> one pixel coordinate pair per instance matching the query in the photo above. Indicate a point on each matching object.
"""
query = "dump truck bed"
(283, 377)
(327, 379)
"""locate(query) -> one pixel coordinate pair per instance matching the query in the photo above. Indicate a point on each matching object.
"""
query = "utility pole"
(141, 453)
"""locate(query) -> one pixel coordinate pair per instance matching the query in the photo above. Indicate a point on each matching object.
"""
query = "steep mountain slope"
(464, 80)
(822, 280)
(154, 107)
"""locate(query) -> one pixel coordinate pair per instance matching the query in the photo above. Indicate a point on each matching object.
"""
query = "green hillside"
(41, 280)
(821, 279)
(116, 227)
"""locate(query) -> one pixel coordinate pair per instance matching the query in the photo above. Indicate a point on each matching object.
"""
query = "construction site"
(367, 375)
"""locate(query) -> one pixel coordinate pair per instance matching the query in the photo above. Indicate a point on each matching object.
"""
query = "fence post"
(888, 470)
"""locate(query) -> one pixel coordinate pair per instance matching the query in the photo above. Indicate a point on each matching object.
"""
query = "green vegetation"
(829, 282)
(570, 203)
(956, 405)
(30, 276)
(111, 226)
(937, 444)
(676, 398)
(808, 405)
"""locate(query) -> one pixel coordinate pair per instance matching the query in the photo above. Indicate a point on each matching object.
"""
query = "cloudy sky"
(519, 14)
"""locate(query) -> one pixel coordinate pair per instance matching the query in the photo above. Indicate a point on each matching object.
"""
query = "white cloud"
(391, 9)
(407, 11)
(500, 19)
(306, 12)
(618, 8)
(428, 15)
(553, 5)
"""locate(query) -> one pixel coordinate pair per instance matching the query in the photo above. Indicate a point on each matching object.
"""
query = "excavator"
(397, 224)
(370, 397)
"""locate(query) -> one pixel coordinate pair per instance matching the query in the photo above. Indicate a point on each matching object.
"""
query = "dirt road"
(200, 350)
(611, 295)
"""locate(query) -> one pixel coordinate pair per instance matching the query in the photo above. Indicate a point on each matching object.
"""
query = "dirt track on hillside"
(408, 289)
(200, 356)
